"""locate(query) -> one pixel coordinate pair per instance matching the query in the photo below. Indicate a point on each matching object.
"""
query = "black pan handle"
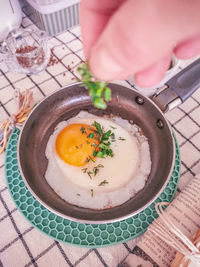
(186, 82)
(179, 88)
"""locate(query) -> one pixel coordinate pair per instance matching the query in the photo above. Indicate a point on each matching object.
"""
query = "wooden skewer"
(5, 133)
(25, 104)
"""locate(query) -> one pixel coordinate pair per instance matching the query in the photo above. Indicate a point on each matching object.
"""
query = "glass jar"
(26, 51)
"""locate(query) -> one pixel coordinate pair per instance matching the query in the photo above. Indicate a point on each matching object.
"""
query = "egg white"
(125, 173)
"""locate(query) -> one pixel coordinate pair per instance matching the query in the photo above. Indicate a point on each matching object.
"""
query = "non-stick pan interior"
(66, 103)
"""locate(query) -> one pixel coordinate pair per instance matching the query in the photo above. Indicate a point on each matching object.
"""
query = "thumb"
(153, 75)
(140, 33)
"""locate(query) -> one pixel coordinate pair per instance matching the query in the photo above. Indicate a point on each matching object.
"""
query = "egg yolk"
(76, 143)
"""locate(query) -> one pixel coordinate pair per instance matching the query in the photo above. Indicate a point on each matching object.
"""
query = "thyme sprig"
(92, 172)
(92, 192)
(89, 174)
(103, 183)
(98, 90)
(96, 169)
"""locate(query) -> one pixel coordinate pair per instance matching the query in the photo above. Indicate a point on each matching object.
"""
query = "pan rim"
(120, 218)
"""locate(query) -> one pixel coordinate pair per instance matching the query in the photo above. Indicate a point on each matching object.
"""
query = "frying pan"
(126, 103)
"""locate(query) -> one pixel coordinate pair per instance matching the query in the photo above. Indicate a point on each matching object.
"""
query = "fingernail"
(103, 65)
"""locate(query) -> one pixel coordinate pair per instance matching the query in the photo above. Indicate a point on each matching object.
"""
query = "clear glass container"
(26, 51)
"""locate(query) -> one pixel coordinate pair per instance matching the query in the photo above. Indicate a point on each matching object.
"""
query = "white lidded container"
(52, 16)
(10, 17)
(47, 2)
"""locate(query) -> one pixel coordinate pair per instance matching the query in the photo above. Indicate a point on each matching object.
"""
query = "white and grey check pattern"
(20, 243)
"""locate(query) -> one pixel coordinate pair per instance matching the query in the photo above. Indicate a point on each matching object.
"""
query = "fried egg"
(86, 180)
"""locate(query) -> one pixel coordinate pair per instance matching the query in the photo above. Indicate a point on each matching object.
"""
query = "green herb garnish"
(89, 174)
(90, 135)
(87, 159)
(98, 91)
(113, 127)
(84, 170)
(104, 137)
(103, 183)
(121, 139)
(97, 125)
(112, 135)
(94, 153)
(82, 130)
(96, 169)
(91, 159)
(92, 192)
(100, 166)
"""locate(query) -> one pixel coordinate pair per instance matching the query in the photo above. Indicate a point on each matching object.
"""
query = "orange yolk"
(75, 147)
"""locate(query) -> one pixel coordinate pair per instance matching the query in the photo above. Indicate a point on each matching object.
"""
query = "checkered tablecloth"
(20, 243)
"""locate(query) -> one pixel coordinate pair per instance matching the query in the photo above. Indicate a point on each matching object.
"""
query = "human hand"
(125, 37)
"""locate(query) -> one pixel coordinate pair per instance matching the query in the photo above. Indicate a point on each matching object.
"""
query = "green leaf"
(103, 183)
(84, 170)
(94, 153)
(103, 146)
(107, 134)
(92, 85)
(83, 130)
(109, 152)
(92, 192)
(95, 171)
(98, 90)
(98, 127)
(100, 103)
(102, 84)
(107, 94)
(100, 154)
(90, 135)
(92, 94)
(122, 139)
(89, 174)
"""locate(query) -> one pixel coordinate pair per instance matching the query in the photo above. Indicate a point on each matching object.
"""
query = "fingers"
(153, 74)
(94, 15)
(139, 33)
(189, 48)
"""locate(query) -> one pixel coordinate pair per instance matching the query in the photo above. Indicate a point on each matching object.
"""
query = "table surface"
(20, 243)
